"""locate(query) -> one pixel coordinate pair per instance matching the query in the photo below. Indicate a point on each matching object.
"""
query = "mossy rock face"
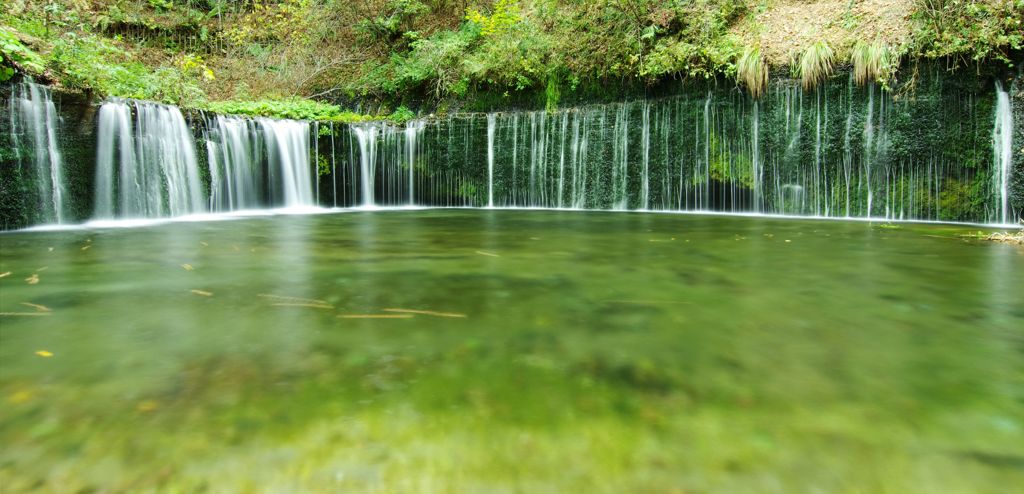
(1017, 172)
(19, 201)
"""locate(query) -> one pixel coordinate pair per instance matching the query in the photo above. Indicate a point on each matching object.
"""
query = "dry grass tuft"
(752, 70)
(871, 62)
(816, 64)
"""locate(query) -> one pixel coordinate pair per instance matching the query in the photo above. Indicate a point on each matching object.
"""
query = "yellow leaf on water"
(426, 312)
(483, 253)
(376, 316)
(202, 292)
(40, 308)
(5, 274)
(147, 405)
(44, 268)
(49, 249)
(204, 244)
(86, 247)
(20, 396)
(32, 280)
(44, 353)
(188, 267)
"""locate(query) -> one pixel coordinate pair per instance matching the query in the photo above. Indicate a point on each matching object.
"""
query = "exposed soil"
(786, 27)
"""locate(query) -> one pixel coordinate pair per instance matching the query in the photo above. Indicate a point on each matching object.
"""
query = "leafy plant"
(14, 52)
(505, 15)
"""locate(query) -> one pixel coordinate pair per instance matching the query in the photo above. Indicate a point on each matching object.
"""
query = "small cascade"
(413, 131)
(34, 129)
(234, 152)
(367, 135)
(290, 172)
(1002, 150)
(491, 128)
(146, 162)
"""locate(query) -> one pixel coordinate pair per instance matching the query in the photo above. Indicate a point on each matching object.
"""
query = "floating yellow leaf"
(147, 405)
(86, 247)
(426, 312)
(202, 292)
(188, 267)
(32, 280)
(5, 274)
(375, 316)
(17, 314)
(40, 308)
(44, 268)
(491, 254)
(49, 249)
(44, 353)
(204, 244)
(293, 299)
(20, 396)
(295, 304)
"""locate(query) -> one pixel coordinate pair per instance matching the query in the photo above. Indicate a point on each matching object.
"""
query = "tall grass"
(816, 64)
(752, 70)
(871, 62)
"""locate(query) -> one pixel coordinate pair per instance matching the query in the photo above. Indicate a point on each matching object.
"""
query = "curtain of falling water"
(148, 169)
(837, 151)
(34, 126)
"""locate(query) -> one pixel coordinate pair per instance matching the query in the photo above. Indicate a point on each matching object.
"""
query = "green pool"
(511, 351)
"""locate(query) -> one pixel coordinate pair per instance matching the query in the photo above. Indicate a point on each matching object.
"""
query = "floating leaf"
(483, 253)
(40, 308)
(293, 299)
(202, 292)
(188, 267)
(32, 280)
(5, 274)
(376, 316)
(426, 312)
(313, 306)
(44, 353)
(147, 406)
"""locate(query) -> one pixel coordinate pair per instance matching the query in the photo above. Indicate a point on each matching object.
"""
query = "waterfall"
(149, 169)
(367, 137)
(839, 151)
(288, 148)
(34, 126)
(234, 153)
(1002, 149)
(413, 130)
(491, 118)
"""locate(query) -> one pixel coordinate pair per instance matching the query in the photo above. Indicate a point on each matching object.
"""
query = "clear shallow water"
(561, 351)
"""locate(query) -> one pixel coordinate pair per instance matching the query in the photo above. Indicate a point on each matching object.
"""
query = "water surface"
(511, 351)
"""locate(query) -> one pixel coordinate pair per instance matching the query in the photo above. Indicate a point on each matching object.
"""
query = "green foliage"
(816, 64)
(92, 62)
(505, 15)
(401, 115)
(965, 30)
(14, 52)
(293, 108)
(752, 71)
(396, 18)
